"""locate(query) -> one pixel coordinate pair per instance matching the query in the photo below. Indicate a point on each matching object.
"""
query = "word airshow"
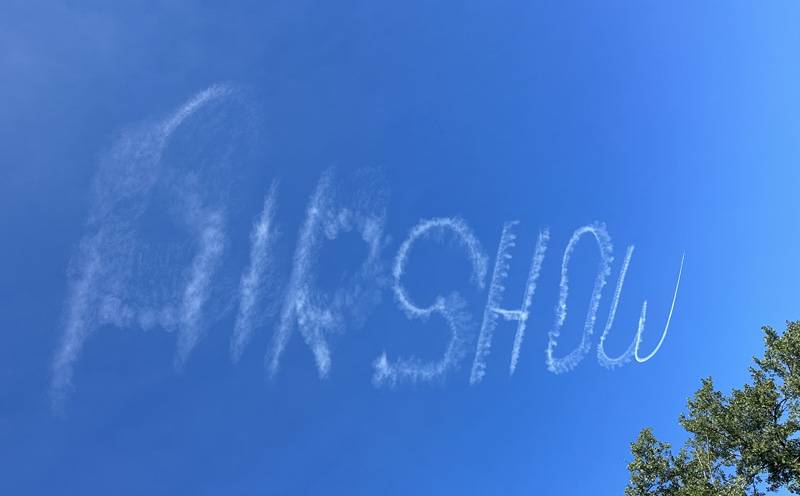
(120, 277)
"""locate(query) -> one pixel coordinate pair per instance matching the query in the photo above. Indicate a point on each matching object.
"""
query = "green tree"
(744, 443)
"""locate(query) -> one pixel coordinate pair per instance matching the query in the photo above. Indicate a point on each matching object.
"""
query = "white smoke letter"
(496, 290)
(451, 308)
(633, 348)
(316, 314)
(569, 362)
(252, 284)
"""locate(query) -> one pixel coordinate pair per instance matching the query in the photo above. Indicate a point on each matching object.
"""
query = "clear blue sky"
(677, 124)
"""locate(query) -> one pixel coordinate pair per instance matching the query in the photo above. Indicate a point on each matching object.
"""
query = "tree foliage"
(744, 443)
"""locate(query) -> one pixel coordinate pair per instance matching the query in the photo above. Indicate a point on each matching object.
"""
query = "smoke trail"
(666, 326)
(413, 370)
(569, 362)
(530, 288)
(316, 314)
(633, 348)
(297, 304)
(215, 91)
(252, 283)
(77, 328)
(451, 308)
(621, 360)
(212, 245)
(496, 291)
(126, 176)
(423, 228)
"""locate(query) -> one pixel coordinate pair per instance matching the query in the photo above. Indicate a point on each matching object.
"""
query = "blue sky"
(675, 124)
